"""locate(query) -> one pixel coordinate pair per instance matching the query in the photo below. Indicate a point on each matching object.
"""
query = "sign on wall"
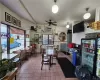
(12, 20)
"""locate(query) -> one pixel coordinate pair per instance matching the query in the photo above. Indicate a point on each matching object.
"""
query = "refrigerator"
(98, 58)
(88, 53)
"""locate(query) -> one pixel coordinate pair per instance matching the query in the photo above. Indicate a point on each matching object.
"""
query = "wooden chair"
(56, 53)
(17, 59)
(45, 59)
(28, 51)
(23, 55)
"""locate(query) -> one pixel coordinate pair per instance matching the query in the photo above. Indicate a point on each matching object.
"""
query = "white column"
(97, 14)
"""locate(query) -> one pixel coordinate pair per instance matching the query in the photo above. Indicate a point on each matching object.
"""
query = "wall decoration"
(11, 19)
(27, 35)
(95, 25)
(8, 17)
(19, 23)
(14, 21)
(62, 36)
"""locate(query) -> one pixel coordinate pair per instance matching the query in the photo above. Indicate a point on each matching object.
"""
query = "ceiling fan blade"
(49, 24)
(54, 24)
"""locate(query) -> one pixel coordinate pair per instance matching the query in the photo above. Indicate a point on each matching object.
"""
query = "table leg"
(15, 77)
(50, 61)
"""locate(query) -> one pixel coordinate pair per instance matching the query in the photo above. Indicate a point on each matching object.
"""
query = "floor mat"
(67, 67)
(66, 53)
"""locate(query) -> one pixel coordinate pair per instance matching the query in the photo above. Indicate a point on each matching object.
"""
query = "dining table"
(9, 56)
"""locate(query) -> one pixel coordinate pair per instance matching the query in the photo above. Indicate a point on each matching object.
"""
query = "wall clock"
(62, 36)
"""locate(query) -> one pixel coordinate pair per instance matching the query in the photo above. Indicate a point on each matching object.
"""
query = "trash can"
(74, 57)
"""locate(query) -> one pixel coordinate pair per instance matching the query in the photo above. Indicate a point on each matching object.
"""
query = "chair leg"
(42, 66)
(49, 65)
(20, 64)
(15, 77)
(52, 60)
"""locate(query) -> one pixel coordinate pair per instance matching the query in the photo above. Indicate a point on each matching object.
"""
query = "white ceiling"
(69, 10)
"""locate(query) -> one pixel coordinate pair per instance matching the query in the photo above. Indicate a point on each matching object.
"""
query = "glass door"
(98, 58)
(88, 53)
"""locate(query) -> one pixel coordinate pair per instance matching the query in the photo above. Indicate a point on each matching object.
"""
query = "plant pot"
(2, 74)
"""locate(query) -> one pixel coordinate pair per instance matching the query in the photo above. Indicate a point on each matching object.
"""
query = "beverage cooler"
(98, 58)
(88, 51)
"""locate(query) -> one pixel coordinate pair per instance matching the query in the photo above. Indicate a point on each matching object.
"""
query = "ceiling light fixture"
(87, 15)
(67, 26)
(55, 7)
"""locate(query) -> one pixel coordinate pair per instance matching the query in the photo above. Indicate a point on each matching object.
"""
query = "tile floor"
(31, 70)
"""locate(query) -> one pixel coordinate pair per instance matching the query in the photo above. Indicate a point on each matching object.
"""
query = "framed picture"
(8, 17)
(14, 20)
(19, 23)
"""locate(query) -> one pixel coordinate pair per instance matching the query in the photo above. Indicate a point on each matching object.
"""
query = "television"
(78, 27)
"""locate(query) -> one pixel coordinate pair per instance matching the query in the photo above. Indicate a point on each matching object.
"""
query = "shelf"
(88, 61)
(87, 48)
(92, 54)
(98, 48)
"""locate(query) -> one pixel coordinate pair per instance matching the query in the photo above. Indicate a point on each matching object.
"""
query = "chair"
(45, 59)
(17, 59)
(56, 53)
(28, 52)
(23, 55)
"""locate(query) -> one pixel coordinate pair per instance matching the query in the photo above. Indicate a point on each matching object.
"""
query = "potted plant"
(5, 67)
(35, 40)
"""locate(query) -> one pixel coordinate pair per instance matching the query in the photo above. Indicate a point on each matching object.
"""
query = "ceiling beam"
(27, 11)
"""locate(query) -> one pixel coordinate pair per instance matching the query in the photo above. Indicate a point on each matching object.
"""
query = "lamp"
(87, 15)
(55, 8)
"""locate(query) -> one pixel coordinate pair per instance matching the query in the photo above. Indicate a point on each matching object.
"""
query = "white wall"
(76, 37)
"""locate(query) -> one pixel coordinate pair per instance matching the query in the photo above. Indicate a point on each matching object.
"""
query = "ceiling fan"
(50, 22)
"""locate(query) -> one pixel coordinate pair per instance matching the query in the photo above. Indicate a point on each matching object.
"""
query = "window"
(12, 39)
(48, 39)
(4, 36)
(16, 39)
(27, 38)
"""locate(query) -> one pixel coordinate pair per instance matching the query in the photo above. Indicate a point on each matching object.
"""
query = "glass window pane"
(27, 38)
(51, 39)
(45, 39)
(16, 39)
(4, 37)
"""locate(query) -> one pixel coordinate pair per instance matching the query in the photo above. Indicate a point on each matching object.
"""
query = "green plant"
(6, 66)
(35, 40)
